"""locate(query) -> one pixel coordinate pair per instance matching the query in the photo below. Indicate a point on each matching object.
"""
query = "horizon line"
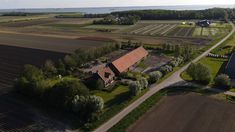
(117, 6)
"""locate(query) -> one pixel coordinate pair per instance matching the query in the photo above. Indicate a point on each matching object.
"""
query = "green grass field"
(23, 18)
(216, 66)
(113, 95)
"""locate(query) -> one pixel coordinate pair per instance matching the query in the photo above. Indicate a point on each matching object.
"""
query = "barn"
(129, 60)
(230, 67)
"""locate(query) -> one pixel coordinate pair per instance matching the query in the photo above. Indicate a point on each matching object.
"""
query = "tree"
(49, 69)
(87, 106)
(143, 82)
(61, 68)
(135, 88)
(29, 80)
(62, 93)
(154, 76)
(99, 84)
(200, 73)
(222, 80)
(178, 50)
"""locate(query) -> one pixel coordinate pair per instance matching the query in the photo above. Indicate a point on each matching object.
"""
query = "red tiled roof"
(128, 60)
(105, 71)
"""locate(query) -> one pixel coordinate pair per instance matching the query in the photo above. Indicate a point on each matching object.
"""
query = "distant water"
(99, 10)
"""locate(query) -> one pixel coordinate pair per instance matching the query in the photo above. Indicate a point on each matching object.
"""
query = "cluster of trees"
(113, 20)
(184, 51)
(214, 13)
(137, 86)
(82, 56)
(200, 73)
(66, 94)
(163, 70)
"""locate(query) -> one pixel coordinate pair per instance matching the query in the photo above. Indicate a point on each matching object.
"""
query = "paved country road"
(173, 79)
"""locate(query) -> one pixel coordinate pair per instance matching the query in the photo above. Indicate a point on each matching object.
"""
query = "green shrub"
(135, 88)
(143, 82)
(222, 80)
(200, 73)
(154, 76)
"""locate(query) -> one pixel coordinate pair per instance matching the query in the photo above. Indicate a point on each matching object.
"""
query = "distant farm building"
(230, 68)
(204, 23)
(128, 61)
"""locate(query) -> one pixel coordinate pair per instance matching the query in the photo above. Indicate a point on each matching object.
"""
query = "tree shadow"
(15, 115)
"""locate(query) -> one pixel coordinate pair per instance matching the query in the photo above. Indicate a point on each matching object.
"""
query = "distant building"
(129, 60)
(106, 75)
(230, 67)
(204, 23)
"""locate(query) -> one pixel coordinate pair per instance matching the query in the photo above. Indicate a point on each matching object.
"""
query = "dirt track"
(188, 113)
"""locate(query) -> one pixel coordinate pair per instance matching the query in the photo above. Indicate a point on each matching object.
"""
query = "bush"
(222, 80)
(29, 80)
(62, 93)
(87, 107)
(143, 82)
(200, 73)
(154, 76)
(99, 84)
(135, 88)
(166, 69)
(49, 69)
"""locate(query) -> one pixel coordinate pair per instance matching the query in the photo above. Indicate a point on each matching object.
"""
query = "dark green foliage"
(29, 80)
(62, 93)
(82, 56)
(99, 84)
(200, 73)
(113, 20)
(135, 88)
(214, 13)
(49, 69)
(87, 107)
(154, 77)
(222, 80)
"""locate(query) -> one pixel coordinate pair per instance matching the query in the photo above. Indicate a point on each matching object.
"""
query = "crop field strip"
(154, 29)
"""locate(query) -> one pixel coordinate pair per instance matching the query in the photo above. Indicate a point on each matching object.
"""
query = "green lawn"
(216, 66)
(119, 91)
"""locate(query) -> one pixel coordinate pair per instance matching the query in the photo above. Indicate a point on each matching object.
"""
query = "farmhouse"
(204, 23)
(129, 60)
(106, 75)
(230, 68)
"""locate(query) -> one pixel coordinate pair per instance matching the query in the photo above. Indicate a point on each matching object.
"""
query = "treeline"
(114, 20)
(214, 13)
(19, 14)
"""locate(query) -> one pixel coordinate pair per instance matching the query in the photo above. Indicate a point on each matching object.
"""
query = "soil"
(188, 113)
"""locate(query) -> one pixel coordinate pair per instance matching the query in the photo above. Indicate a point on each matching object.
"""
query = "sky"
(9, 4)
